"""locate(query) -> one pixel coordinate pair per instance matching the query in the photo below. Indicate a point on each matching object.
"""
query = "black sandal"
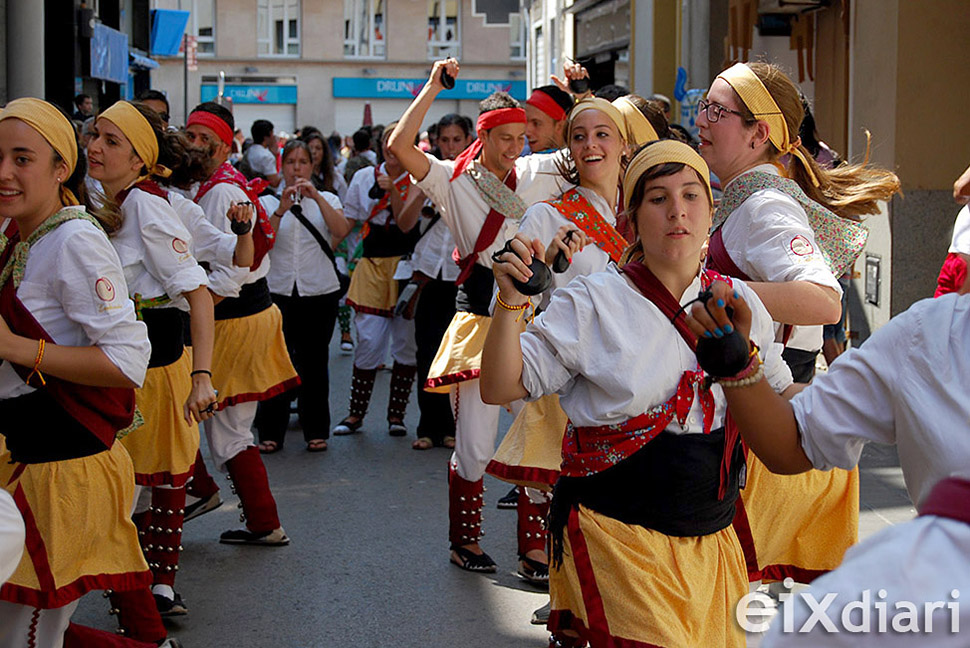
(479, 563)
(534, 571)
(347, 426)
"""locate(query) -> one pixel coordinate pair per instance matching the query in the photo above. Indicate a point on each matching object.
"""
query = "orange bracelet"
(515, 309)
(41, 343)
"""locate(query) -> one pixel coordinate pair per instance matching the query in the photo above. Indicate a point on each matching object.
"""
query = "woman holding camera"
(304, 284)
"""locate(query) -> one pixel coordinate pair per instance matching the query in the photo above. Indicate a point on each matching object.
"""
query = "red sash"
(263, 235)
(589, 450)
(577, 209)
(486, 236)
(148, 186)
(950, 498)
(101, 410)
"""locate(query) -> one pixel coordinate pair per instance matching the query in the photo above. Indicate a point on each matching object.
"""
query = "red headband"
(213, 122)
(547, 104)
(487, 121)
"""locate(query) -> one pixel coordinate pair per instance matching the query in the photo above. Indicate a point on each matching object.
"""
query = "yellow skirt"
(80, 536)
(800, 525)
(531, 452)
(249, 359)
(459, 357)
(373, 288)
(623, 583)
(163, 449)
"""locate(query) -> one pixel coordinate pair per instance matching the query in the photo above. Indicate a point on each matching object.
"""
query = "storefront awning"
(168, 25)
(139, 62)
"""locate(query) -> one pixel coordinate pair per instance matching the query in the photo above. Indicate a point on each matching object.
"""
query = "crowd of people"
(649, 305)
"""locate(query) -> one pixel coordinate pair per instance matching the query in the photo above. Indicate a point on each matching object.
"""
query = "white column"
(25, 48)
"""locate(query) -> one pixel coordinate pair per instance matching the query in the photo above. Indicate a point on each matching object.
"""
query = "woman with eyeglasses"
(790, 232)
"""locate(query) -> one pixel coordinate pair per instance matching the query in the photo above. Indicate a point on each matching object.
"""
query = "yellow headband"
(53, 126)
(139, 132)
(759, 101)
(639, 130)
(605, 107)
(662, 152)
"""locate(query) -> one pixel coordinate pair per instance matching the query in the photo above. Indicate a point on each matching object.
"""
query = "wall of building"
(322, 60)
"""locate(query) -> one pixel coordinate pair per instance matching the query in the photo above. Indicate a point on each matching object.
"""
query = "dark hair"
(635, 251)
(292, 145)
(324, 179)
(454, 119)
(807, 131)
(193, 168)
(611, 92)
(362, 140)
(154, 95)
(564, 99)
(75, 181)
(78, 100)
(681, 134)
(221, 112)
(654, 114)
(497, 101)
(260, 130)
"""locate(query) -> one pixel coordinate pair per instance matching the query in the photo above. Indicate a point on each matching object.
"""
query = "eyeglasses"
(714, 110)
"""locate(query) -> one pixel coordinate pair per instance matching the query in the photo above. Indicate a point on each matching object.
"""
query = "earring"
(752, 145)
(57, 180)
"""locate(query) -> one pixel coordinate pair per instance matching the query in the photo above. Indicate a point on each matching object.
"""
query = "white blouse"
(769, 239)
(208, 244)
(359, 204)
(464, 210)
(226, 279)
(75, 288)
(154, 248)
(297, 257)
(612, 355)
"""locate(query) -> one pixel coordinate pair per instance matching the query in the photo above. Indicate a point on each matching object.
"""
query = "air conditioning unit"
(791, 6)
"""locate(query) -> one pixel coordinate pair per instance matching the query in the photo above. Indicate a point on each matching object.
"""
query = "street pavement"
(368, 561)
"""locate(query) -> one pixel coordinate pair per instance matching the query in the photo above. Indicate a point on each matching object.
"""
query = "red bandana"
(213, 122)
(487, 121)
(547, 104)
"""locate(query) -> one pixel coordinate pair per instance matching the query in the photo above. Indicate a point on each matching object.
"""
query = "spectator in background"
(664, 102)
(546, 111)
(324, 174)
(87, 132)
(83, 107)
(157, 101)
(260, 159)
(363, 155)
(238, 142)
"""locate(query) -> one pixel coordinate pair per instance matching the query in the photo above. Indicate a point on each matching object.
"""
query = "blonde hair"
(851, 190)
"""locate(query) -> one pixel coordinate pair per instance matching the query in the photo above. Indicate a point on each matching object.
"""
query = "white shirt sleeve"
(225, 280)
(960, 243)
(12, 534)
(110, 325)
(208, 243)
(855, 401)
(262, 161)
(435, 186)
(166, 247)
(552, 344)
(777, 372)
(360, 184)
(780, 244)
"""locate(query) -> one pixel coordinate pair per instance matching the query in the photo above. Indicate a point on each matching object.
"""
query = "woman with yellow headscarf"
(582, 225)
(791, 239)
(74, 352)
(643, 552)
(130, 147)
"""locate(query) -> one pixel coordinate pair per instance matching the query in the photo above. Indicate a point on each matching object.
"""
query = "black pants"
(801, 363)
(436, 308)
(307, 326)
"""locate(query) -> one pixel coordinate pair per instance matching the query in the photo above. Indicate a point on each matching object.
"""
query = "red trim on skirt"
(275, 390)
(451, 379)
(560, 620)
(797, 574)
(370, 310)
(73, 591)
(164, 479)
(516, 474)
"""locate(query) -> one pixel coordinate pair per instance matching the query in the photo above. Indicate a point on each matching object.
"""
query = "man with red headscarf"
(250, 361)
(481, 196)
(546, 111)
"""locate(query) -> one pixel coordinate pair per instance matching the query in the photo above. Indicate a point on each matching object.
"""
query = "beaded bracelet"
(41, 343)
(747, 381)
(514, 309)
(753, 366)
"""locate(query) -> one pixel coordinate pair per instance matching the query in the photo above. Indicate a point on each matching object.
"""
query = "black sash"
(39, 430)
(165, 334)
(475, 293)
(253, 298)
(389, 241)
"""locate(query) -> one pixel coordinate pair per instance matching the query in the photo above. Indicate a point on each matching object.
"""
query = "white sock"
(164, 590)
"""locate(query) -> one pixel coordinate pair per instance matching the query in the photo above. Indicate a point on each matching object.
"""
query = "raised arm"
(408, 217)
(401, 141)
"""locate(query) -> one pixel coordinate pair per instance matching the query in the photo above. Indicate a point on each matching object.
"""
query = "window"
(444, 37)
(278, 27)
(539, 69)
(517, 37)
(364, 29)
(202, 23)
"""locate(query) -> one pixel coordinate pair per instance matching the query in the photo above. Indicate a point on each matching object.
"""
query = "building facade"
(323, 62)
